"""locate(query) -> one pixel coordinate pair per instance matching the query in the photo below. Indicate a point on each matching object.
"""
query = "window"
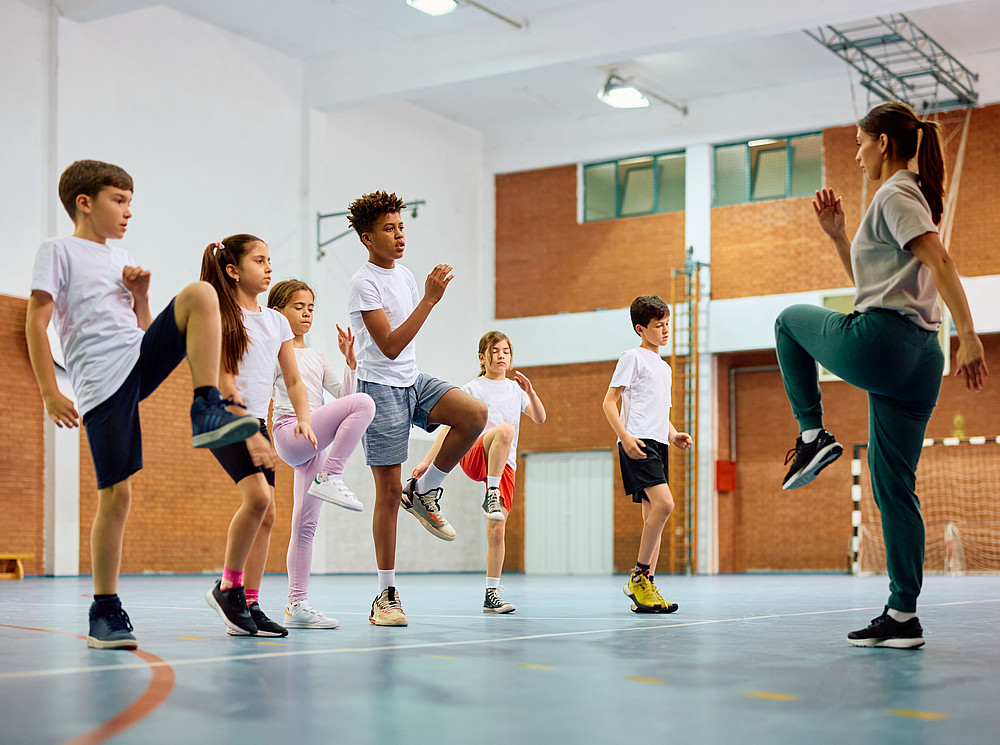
(643, 185)
(768, 169)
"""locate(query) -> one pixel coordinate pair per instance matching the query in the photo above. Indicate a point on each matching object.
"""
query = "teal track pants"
(900, 365)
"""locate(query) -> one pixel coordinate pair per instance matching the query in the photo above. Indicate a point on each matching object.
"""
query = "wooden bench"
(11, 566)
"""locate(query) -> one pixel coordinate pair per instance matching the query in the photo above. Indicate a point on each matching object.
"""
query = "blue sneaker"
(110, 627)
(213, 425)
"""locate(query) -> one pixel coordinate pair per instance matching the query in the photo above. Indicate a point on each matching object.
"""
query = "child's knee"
(117, 499)
(365, 405)
(505, 432)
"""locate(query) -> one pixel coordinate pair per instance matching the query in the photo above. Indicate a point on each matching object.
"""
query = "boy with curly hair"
(386, 314)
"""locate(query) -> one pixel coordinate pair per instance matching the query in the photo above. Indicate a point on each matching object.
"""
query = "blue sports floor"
(747, 659)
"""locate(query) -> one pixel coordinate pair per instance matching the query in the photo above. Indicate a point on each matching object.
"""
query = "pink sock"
(252, 596)
(231, 578)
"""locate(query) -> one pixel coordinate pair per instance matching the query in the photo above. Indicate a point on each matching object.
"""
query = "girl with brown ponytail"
(253, 339)
(888, 346)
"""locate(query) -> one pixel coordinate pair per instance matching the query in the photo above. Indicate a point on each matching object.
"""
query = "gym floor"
(747, 658)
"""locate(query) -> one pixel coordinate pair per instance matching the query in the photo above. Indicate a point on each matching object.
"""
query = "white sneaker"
(332, 489)
(300, 615)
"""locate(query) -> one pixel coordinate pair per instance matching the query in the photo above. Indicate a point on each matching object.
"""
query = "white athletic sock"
(386, 578)
(898, 615)
(493, 482)
(492, 582)
(810, 434)
(433, 478)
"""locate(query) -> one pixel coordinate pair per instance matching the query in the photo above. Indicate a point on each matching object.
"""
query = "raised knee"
(480, 414)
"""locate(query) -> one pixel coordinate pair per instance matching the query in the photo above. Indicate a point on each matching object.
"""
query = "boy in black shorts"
(642, 382)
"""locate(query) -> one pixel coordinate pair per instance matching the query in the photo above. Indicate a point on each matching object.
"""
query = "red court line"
(160, 686)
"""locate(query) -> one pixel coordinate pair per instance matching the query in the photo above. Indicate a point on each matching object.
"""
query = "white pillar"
(698, 169)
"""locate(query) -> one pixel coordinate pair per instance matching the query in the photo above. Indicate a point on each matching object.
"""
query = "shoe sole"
(352, 506)
(506, 609)
(293, 625)
(235, 431)
(241, 632)
(895, 643)
(428, 525)
(809, 472)
(495, 516)
(671, 608)
(232, 628)
(95, 643)
(376, 622)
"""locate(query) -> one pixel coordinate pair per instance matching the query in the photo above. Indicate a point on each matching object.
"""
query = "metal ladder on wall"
(681, 540)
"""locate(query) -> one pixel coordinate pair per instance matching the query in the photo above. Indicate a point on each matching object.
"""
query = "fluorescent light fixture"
(433, 7)
(621, 94)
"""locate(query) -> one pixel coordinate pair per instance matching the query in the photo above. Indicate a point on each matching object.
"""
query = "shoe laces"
(430, 500)
(790, 455)
(119, 621)
(226, 402)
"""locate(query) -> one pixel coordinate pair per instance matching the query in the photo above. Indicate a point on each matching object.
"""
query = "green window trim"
(632, 187)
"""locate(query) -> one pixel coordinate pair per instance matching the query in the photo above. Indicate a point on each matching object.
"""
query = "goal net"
(957, 482)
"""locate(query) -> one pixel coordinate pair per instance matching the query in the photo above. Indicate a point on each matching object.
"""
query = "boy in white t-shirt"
(116, 355)
(642, 382)
(386, 315)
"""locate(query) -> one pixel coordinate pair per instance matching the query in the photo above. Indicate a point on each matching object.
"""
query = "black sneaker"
(110, 627)
(213, 425)
(886, 631)
(496, 604)
(491, 504)
(231, 604)
(809, 458)
(265, 626)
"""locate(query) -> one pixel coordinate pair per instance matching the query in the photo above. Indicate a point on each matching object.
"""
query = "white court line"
(438, 645)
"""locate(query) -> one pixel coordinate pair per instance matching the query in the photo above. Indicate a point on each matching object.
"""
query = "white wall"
(404, 149)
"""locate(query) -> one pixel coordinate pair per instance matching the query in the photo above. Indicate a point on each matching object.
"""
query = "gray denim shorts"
(386, 441)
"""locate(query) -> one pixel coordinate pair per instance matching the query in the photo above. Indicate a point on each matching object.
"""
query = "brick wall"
(22, 450)
(548, 263)
(182, 500)
(759, 248)
(762, 527)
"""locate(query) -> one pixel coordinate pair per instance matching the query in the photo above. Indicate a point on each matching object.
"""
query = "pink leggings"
(339, 423)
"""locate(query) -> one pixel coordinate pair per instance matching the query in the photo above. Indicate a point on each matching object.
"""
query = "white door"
(568, 517)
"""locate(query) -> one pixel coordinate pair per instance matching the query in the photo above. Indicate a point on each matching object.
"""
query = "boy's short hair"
(368, 208)
(648, 308)
(89, 177)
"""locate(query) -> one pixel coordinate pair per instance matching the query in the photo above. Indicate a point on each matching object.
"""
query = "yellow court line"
(637, 679)
(441, 656)
(530, 666)
(192, 638)
(931, 716)
(273, 644)
(771, 696)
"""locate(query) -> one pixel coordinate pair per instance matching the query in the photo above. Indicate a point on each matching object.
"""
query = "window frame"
(789, 149)
(619, 184)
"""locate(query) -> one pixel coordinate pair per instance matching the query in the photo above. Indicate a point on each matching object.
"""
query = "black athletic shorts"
(639, 475)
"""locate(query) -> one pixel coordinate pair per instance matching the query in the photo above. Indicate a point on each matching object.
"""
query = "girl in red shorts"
(493, 459)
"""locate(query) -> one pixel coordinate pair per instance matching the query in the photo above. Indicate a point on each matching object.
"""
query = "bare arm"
(679, 439)
(970, 360)
(136, 281)
(830, 213)
(297, 393)
(391, 341)
(535, 410)
(633, 446)
(59, 408)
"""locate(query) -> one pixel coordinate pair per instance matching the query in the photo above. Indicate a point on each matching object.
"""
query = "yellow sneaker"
(662, 606)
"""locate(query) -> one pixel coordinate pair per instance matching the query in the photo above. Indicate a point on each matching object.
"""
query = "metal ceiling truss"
(899, 62)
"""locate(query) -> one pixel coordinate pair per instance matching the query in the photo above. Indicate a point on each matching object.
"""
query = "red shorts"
(474, 464)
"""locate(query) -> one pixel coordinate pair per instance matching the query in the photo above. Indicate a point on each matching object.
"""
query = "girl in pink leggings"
(338, 425)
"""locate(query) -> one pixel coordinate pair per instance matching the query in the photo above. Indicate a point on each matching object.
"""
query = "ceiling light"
(625, 94)
(621, 94)
(433, 7)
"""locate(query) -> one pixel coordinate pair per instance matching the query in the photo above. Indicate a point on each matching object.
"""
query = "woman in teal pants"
(887, 347)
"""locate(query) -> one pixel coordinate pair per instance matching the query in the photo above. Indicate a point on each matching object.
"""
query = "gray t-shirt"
(886, 275)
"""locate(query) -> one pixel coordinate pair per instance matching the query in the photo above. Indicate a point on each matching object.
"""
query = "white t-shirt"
(886, 275)
(92, 312)
(646, 398)
(268, 330)
(394, 291)
(505, 401)
(318, 374)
